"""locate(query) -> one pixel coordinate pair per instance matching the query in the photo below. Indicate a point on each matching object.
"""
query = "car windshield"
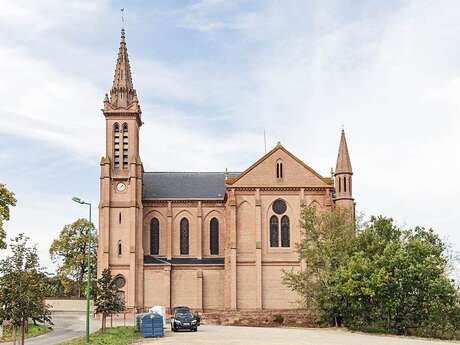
(183, 313)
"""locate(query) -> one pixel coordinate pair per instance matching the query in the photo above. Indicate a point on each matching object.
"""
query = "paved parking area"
(227, 335)
(71, 325)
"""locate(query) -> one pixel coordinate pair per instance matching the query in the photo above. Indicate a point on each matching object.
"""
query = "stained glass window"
(184, 236)
(154, 236)
(214, 236)
(274, 232)
(285, 236)
(279, 206)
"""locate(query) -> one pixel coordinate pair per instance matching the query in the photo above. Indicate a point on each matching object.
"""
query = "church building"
(207, 240)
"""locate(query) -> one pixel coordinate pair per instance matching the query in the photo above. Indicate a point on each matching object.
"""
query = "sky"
(212, 75)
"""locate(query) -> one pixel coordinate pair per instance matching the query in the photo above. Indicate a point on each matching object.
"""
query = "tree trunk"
(111, 321)
(81, 281)
(14, 335)
(23, 333)
(104, 317)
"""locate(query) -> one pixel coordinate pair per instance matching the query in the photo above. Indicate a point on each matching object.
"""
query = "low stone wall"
(261, 318)
(70, 305)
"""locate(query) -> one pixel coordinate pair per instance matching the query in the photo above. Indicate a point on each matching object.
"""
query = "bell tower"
(120, 209)
(343, 177)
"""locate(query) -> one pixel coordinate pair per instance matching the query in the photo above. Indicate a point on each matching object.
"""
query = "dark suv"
(183, 318)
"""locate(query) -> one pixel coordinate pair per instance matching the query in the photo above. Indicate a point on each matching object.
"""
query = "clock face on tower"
(121, 187)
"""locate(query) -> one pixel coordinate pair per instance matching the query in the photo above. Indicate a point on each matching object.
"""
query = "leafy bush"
(278, 318)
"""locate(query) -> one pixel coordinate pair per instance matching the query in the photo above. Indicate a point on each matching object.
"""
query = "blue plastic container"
(151, 325)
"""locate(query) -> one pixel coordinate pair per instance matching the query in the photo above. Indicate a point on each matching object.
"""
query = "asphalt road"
(227, 335)
(67, 326)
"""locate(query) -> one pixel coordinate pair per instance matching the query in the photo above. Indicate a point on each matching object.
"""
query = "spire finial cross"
(122, 18)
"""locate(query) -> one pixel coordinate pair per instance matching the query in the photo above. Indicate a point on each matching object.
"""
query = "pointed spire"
(122, 94)
(343, 158)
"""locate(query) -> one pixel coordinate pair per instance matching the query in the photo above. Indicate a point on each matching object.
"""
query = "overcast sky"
(212, 75)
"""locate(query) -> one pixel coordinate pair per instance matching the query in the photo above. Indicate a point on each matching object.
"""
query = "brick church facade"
(209, 240)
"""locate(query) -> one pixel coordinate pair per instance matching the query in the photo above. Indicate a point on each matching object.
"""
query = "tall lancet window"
(274, 231)
(116, 145)
(214, 236)
(184, 236)
(125, 146)
(154, 236)
(285, 236)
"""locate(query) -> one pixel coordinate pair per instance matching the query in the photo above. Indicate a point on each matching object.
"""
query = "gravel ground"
(228, 335)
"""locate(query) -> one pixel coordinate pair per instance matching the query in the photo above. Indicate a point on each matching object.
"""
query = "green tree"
(54, 286)
(380, 276)
(108, 301)
(397, 280)
(22, 288)
(7, 200)
(326, 241)
(69, 251)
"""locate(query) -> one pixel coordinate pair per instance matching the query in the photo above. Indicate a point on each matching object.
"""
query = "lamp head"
(77, 200)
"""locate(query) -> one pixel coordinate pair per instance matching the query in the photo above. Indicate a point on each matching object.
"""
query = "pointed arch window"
(154, 236)
(340, 185)
(345, 184)
(214, 236)
(279, 225)
(274, 231)
(285, 233)
(349, 184)
(184, 236)
(125, 146)
(120, 249)
(116, 145)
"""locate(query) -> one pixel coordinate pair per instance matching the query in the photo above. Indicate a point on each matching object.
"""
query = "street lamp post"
(88, 263)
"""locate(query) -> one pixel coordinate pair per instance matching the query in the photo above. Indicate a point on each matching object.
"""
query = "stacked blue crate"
(152, 325)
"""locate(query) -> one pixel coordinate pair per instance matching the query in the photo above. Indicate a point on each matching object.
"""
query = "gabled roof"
(184, 185)
(268, 154)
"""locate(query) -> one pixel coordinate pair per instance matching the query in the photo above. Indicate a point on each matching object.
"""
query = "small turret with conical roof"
(343, 176)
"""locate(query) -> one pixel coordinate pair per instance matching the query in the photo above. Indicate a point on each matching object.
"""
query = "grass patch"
(112, 336)
(34, 330)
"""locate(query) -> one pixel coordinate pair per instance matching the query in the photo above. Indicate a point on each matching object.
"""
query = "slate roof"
(148, 259)
(185, 185)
